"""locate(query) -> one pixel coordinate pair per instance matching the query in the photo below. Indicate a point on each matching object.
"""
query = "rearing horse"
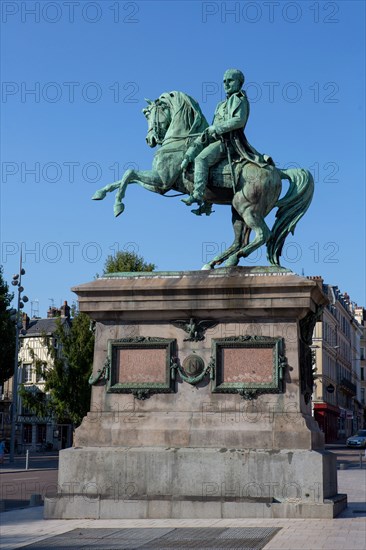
(174, 120)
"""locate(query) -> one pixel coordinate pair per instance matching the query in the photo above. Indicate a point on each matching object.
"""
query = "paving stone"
(210, 538)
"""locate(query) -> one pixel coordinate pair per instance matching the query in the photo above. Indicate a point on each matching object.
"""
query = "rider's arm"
(238, 112)
(192, 152)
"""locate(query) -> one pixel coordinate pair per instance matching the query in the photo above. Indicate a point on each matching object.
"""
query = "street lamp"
(15, 315)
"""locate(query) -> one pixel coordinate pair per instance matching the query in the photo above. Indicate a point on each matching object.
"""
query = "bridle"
(159, 130)
(158, 126)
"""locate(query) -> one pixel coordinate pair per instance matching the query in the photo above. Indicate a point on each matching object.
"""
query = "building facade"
(34, 432)
(337, 399)
(360, 314)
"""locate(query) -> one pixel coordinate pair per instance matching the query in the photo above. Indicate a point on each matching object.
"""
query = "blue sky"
(75, 75)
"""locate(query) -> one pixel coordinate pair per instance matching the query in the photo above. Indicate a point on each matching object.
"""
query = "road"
(17, 485)
(349, 457)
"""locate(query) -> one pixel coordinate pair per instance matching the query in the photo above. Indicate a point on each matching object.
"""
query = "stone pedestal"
(201, 400)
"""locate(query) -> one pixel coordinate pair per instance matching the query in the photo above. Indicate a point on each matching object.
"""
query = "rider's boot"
(200, 182)
(191, 200)
(204, 208)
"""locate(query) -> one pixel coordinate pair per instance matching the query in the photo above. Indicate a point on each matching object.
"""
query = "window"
(362, 373)
(41, 433)
(27, 433)
(27, 373)
(40, 374)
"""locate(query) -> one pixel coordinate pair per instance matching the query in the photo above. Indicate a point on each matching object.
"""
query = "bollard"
(35, 500)
(27, 459)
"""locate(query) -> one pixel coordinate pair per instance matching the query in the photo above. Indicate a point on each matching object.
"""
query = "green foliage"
(36, 401)
(67, 392)
(126, 262)
(67, 380)
(7, 332)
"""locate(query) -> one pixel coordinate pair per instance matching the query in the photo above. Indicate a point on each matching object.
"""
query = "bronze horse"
(174, 121)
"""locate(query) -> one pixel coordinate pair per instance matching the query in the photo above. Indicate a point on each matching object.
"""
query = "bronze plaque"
(247, 365)
(140, 365)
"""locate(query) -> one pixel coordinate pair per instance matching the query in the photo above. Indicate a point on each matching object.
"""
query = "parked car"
(357, 440)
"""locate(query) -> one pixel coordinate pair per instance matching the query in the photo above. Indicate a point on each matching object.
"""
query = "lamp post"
(15, 315)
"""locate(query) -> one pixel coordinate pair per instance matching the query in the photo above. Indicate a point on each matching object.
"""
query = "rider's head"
(233, 81)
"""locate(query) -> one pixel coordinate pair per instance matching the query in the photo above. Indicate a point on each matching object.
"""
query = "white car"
(357, 440)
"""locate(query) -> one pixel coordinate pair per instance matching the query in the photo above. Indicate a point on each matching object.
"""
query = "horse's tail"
(291, 209)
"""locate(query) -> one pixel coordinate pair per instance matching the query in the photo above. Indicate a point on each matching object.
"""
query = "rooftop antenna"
(52, 302)
(35, 308)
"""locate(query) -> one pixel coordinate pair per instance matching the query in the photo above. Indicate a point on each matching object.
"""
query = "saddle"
(219, 175)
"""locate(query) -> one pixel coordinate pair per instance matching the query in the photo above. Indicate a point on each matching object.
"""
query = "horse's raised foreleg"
(148, 179)
(239, 231)
(256, 222)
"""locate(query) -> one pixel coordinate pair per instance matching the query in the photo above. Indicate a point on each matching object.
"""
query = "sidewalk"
(21, 528)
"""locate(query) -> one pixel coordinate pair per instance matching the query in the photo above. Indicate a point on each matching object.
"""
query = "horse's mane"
(187, 117)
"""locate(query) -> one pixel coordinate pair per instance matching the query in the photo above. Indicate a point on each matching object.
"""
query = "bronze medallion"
(193, 365)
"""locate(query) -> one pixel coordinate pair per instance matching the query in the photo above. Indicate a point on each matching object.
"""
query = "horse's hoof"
(207, 266)
(118, 209)
(232, 261)
(99, 195)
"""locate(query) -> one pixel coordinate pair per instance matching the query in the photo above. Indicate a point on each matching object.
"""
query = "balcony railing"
(347, 386)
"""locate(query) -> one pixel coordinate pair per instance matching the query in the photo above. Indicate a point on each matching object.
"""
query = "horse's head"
(173, 116)
(158, 119)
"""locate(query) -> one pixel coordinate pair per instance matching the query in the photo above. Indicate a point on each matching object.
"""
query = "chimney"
(25, 321)
(65, 310)
(317, 278)
(53, 312)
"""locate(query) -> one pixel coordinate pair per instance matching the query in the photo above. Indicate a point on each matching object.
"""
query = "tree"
(67, 391)
(7, 332)
(67, 381)
(66, 377)
(126, 261)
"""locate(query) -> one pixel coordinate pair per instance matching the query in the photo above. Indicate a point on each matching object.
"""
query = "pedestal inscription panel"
(248, 365)
(141, 366)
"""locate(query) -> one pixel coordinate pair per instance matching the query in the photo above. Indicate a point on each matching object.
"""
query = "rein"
(156, 125)
(156, 128)
(172, 196)
(174, 138)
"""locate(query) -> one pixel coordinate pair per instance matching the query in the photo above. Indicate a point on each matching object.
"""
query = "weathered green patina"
(196, 377)
(250, 390)
(115, 382)
(217, 165)
(195, 329)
